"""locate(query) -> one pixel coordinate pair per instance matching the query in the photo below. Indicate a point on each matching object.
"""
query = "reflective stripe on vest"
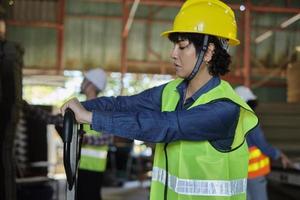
(259, 163)
(196, 170)
(93, 153)
(93, 158)
(200, 187)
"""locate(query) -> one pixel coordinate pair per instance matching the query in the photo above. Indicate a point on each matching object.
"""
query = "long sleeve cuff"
(101, 121)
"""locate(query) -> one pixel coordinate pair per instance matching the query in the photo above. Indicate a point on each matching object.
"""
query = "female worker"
(197, 120)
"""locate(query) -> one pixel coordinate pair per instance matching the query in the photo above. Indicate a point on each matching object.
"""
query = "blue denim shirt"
(257, 138)
(140, 117)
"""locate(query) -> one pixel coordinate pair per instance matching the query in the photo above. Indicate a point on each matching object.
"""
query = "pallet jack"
(72, 137)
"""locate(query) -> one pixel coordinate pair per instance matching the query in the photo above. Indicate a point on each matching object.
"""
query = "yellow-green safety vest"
(93, 158)
(196, 170)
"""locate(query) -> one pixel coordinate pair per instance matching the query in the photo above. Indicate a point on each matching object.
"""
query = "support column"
(247, 45)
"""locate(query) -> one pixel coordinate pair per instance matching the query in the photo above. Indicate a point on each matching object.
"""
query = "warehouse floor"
(125, 193)
(130, 191)
(55, 190)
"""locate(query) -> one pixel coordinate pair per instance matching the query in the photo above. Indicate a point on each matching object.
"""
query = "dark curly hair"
(219, 64)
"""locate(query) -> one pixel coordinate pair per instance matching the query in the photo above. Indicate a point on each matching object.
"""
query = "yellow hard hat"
(211, 17)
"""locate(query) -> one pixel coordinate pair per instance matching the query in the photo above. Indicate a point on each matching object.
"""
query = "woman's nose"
(174, 53)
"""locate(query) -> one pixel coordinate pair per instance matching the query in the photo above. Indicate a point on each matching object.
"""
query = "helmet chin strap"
(199, 59)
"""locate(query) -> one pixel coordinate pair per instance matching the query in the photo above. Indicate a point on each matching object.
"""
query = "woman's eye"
(183, 46)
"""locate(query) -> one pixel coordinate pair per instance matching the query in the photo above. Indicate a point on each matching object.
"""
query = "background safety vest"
(259, 163)
(93, 157)
(191, 170)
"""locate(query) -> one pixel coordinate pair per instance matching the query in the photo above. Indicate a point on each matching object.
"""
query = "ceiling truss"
(126, 17)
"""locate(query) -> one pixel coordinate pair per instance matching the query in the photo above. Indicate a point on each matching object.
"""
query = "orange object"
(259, 163)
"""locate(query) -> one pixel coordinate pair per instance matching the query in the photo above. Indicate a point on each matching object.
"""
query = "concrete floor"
(130, 191)
(125, 194)
(134, 190)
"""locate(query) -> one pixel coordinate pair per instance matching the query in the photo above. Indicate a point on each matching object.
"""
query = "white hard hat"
(245, 93)
(97, 77)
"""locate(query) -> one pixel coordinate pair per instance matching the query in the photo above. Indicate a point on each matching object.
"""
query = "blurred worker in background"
(198, 121)
(94, 145)
(260, 152)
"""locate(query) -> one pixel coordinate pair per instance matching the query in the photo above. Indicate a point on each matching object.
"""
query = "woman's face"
(184, 57)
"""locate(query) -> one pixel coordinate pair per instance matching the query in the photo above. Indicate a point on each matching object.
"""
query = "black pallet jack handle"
(72, 141)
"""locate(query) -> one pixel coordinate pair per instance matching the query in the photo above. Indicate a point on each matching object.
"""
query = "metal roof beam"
(144, 2)
(233, 6)
(270, 9)
(42, 24)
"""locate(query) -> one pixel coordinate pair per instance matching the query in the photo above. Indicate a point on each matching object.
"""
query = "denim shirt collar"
(212, 83)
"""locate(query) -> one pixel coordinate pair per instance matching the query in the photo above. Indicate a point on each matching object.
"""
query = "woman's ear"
(209, 53)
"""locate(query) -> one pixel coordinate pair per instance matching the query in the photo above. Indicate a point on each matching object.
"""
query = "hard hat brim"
(232, 41)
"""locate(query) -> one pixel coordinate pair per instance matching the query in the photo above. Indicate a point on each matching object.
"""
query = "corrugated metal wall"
(92, 35)
(274, 51)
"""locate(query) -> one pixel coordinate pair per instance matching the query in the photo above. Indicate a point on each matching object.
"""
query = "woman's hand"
(81, 114)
